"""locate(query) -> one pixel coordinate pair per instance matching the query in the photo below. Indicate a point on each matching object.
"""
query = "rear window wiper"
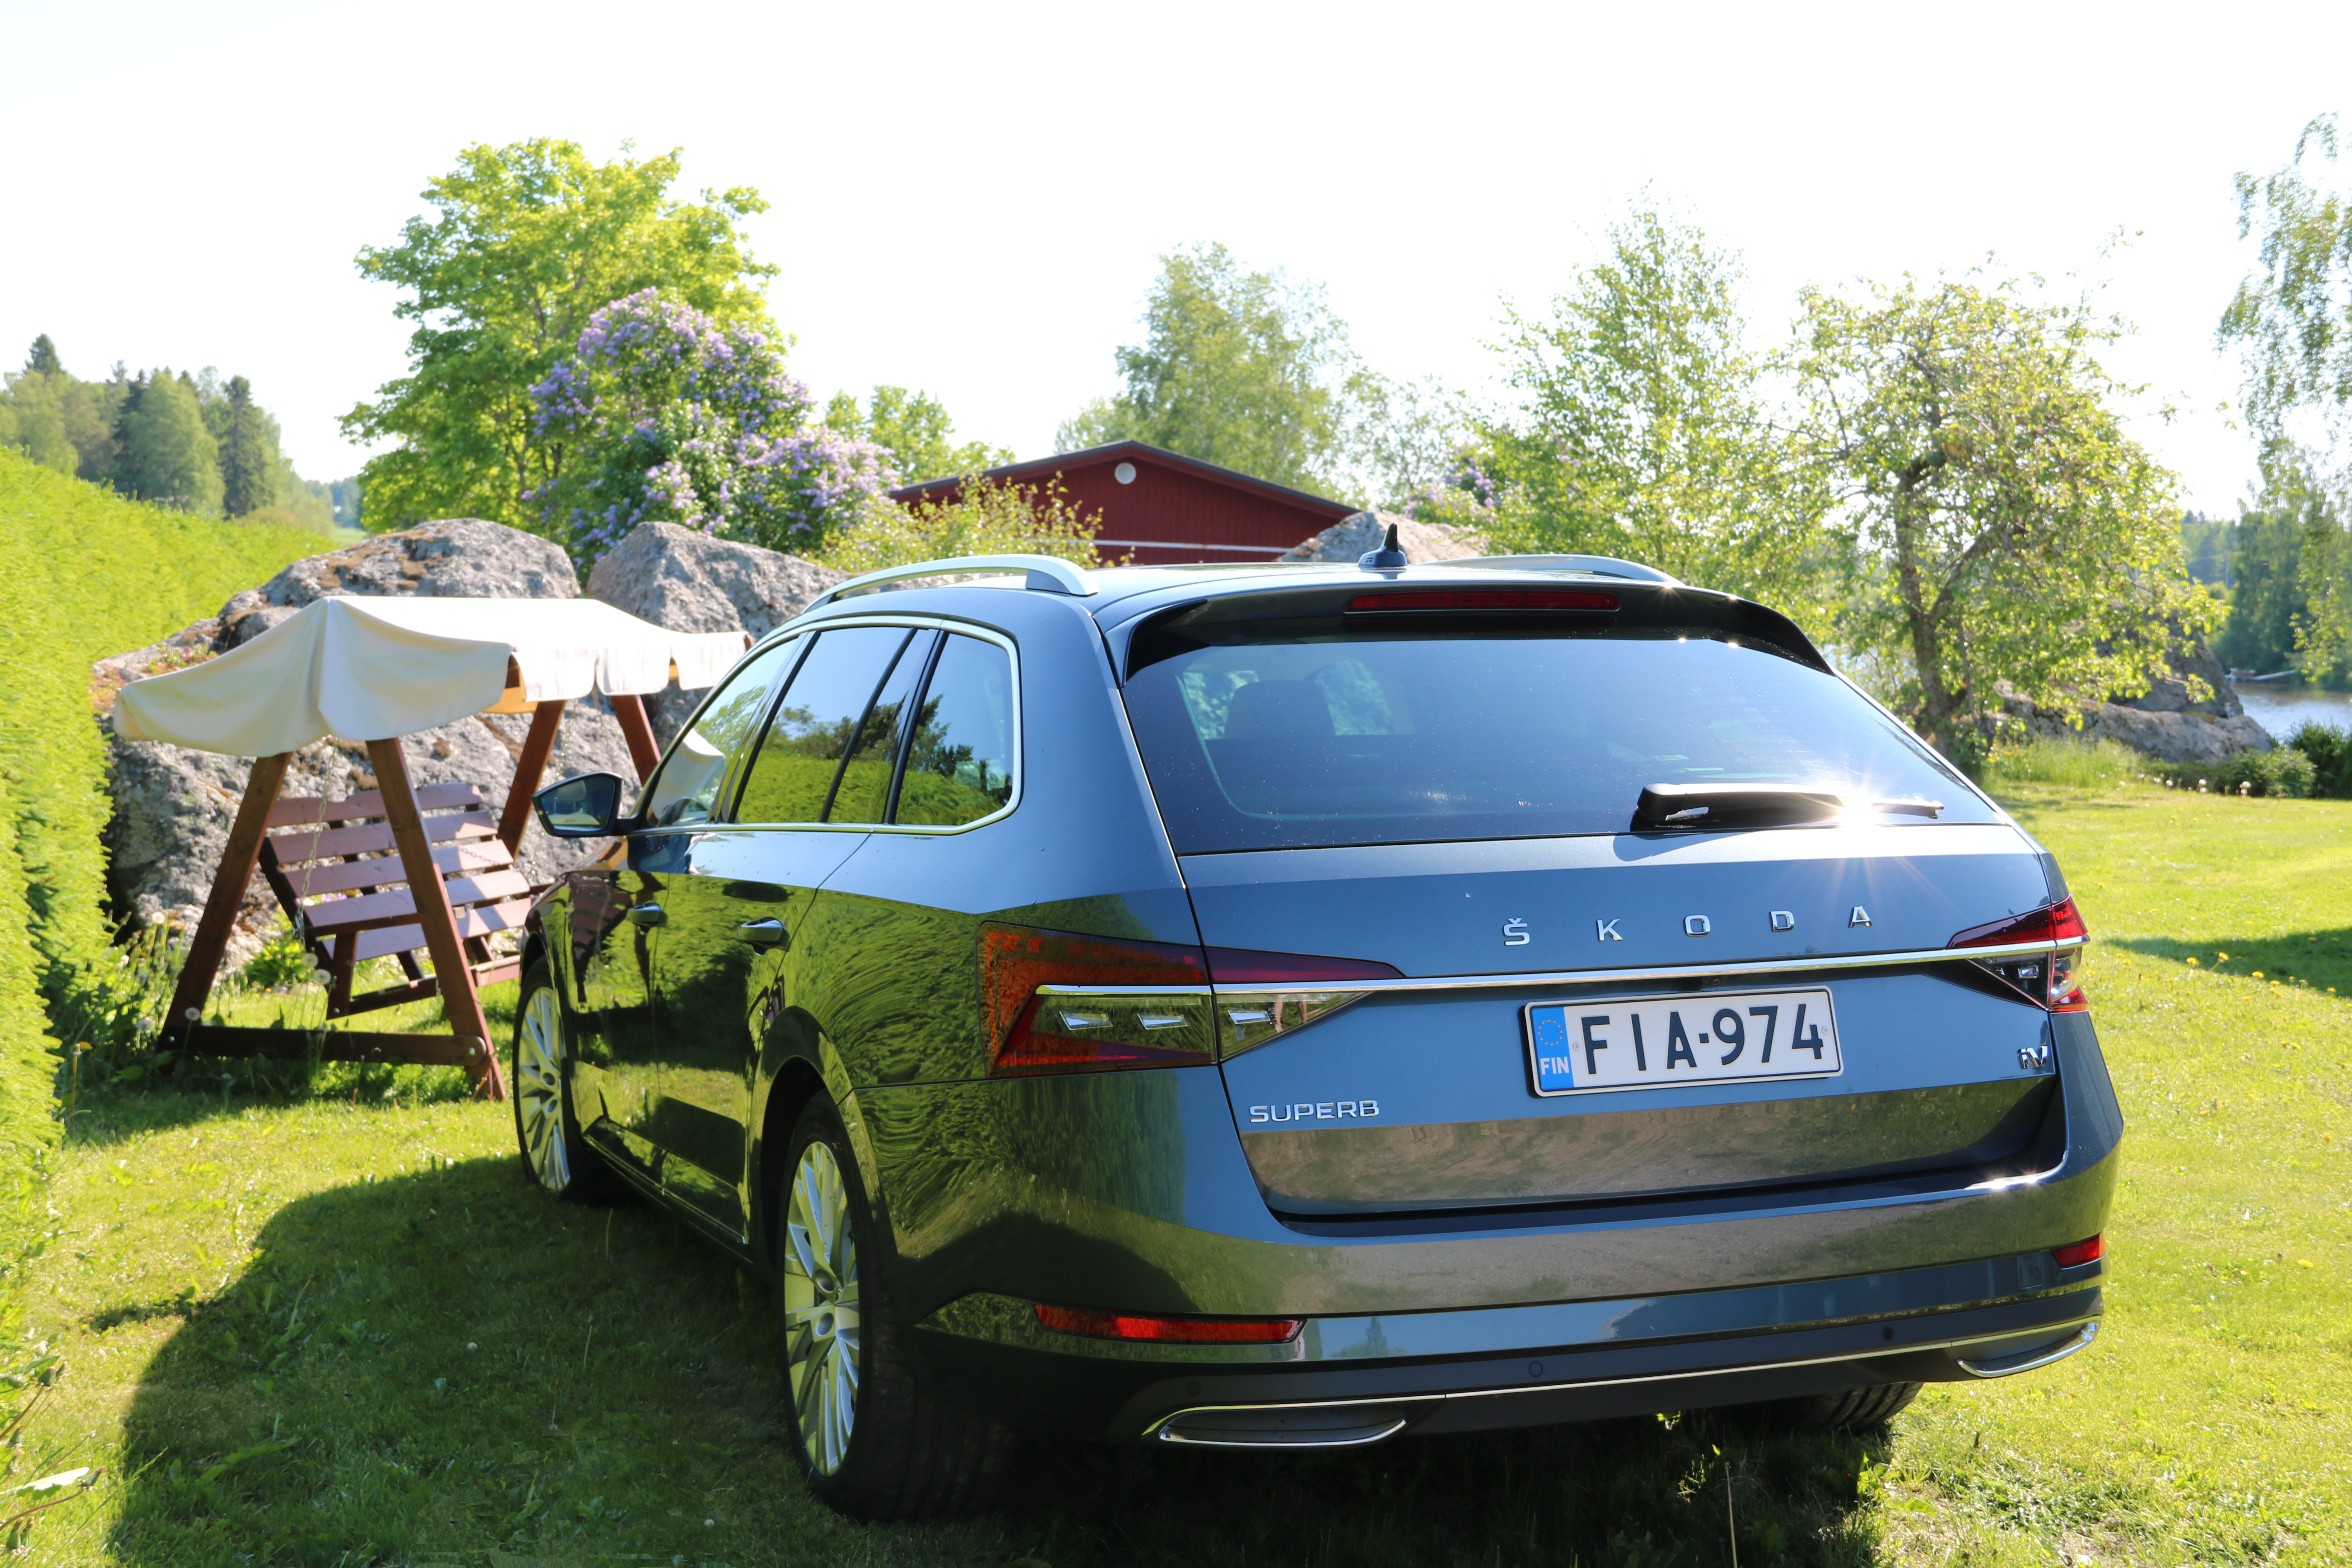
(1728, 805)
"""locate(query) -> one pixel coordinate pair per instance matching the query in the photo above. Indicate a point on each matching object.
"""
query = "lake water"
(2281, 709)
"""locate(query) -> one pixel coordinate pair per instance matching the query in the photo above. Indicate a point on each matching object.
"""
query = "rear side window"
(817, 721)
(1364, 740)
(960, 767)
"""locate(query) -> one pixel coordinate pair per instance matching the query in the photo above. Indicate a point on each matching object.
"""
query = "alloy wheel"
(821, 1311)
(539, 1089)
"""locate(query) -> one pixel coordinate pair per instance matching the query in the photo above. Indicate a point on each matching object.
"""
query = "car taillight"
(2082, 1252)
(2051, 980)
(1261, 995)
(1062, 1003)
(1182, 1330)
(1059, 1003)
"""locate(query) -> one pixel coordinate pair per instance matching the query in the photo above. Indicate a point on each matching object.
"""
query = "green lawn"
(333, 1326)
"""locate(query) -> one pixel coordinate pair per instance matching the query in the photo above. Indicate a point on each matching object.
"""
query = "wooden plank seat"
(337, 872)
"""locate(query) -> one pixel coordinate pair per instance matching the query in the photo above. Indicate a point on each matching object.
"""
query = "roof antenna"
(1389, 557)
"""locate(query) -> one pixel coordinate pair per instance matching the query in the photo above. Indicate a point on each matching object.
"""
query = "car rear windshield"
(1353, 739)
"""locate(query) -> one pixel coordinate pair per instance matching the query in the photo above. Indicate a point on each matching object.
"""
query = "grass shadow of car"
(446, 1365)
(2316, 959)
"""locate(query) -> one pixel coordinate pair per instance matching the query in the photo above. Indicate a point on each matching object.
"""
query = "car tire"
(872, 1444)
(1845, 1410)
(547, 1129)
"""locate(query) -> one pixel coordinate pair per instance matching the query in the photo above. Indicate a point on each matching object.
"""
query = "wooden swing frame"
(334, 932)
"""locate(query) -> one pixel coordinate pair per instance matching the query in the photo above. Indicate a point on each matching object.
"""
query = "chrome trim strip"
(1673, 971)
(2027, 1360)
(2086, 1328)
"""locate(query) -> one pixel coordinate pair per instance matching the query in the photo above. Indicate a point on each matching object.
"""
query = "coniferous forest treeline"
(192, 441)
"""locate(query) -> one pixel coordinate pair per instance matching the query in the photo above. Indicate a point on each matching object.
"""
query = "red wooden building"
(1163, 509)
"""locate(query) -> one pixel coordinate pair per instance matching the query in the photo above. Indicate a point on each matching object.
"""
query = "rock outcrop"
(1350, 537)
(173, 806)
(462, 557)
(2164, 723)
(688, 582)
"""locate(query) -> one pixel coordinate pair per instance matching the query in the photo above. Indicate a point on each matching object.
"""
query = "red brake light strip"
(1502, 599)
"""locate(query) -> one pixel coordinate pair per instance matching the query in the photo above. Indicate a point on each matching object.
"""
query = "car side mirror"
(585, 807)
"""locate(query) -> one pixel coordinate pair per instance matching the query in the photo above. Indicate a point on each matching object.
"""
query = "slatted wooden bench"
(338, 876)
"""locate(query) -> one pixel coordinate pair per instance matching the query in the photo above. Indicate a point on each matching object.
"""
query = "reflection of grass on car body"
(302, 1329)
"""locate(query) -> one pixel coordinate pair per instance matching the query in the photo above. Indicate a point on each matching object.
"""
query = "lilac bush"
(1469, 495)
(667, 415)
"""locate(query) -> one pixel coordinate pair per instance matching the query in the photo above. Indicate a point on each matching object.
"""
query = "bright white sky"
(969, 199)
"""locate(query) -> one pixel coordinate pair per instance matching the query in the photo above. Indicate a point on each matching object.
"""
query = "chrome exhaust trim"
(1340, 1437)
(2028, 1360)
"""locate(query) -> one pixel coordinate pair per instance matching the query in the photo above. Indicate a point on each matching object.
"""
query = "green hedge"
(83, 574)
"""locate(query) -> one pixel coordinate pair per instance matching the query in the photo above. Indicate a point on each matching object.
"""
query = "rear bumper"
(1348, 1381)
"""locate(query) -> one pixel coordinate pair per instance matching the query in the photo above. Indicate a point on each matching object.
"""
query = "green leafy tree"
(530, 241)
(1642, 431)
(43, 360)
(1246, 369)
(2022, 536)
(2292, 320)
(915, 429)
(249, 465)
(163, 452)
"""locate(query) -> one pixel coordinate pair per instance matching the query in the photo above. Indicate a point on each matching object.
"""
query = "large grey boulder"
(173, 806)
(686, 581)
(2182, 734)
(2190, 660)
(1350, 537)
(2178, 736)
(460, 557)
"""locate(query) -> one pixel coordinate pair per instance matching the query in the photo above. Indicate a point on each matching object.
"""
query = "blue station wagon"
(1297, 1006)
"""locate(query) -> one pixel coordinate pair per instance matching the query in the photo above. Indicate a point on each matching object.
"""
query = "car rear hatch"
(1725, 996)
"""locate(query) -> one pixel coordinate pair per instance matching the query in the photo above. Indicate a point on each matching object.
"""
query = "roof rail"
(1050, 573)
(1598, 565)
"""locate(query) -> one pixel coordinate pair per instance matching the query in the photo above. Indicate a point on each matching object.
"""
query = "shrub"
(2284, 771)
(986, 518)
(666, 413)
(2330, 751)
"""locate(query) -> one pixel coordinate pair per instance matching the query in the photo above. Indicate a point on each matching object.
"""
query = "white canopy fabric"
(371, 669)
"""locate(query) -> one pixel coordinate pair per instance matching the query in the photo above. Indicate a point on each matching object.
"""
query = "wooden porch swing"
(396, 870)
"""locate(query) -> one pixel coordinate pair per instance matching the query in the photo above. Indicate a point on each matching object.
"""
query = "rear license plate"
(1664, 1042)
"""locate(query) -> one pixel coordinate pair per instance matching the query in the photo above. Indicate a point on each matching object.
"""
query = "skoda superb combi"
(1284, 1006)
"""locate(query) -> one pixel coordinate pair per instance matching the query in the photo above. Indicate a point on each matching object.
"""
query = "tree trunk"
(1924, 622)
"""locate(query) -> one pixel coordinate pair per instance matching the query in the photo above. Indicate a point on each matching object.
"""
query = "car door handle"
(769, 932)
(647, 915)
